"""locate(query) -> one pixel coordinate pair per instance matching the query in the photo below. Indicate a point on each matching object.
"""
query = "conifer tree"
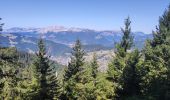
(74, 72)
(162, 31)
(1, 73)
(123, 70)
(118, 63)
(127, 39)
(1, 25)
(97, 87)
(94, 66)
(157, 54)
(9, 73)
(77, 61)
(45, 74)
(131, 76)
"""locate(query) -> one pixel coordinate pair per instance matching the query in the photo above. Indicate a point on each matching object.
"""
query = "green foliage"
(104, 89)
(94, 66)
(127, 39)
(157, 54)
(1, 25)
(125, 70)
(77, 61)
(131, 75)
(74, 72)
(162, 33)
(9, 68)
(118, 63)
(46, 83)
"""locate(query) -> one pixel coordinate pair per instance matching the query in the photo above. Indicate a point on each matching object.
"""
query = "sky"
(92, 14)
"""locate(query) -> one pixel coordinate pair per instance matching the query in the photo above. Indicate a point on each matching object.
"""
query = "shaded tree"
(132, 76)
(118, 63)
(45, 75)
(157, 54)
(94, 66)
(74, 72)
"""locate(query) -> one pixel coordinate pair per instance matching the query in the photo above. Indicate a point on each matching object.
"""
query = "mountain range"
(60, 40)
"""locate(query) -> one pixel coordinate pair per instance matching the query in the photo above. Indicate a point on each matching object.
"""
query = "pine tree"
(47, 83)
(95, 66)
(1, 25)
(157, 54)
(127, 39)
(94, 74)
(118, 63)
(162, 31)
(73, 77)
(131, 76)
(1, 73)
(96, 88)
(9, 66)
(123, 70)
(77, 61)
(9, 73)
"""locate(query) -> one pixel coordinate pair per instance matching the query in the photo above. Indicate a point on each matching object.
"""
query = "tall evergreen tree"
(1, 73)
(131, 76)
(157, 54)
(9, 66)
(127, 39)
(94, 72)
(95, 66)
(9, 73)
(1, 25)
(118, 63)
(123, 70)
(77, 61)
(73, 73)
(162, 31)
(45, 74)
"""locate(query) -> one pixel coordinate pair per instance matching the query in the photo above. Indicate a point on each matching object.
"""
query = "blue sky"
(93, 14)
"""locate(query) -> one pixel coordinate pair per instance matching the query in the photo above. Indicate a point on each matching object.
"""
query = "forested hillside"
(132, 74)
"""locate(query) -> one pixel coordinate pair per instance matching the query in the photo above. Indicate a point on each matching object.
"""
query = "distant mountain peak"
(57, 28)
(54, 29)
(19, 29)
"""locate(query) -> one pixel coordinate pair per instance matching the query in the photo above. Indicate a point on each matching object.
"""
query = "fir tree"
(74, 72)
(1, 25)
(162, 31)
(77, 61)
(131, 76)
(118, 63)
(45, 75)
(9, 67)
(127, 39)
(123, 68)
(157, 54)
(94, 66)
(9, 73)
(1, 73)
